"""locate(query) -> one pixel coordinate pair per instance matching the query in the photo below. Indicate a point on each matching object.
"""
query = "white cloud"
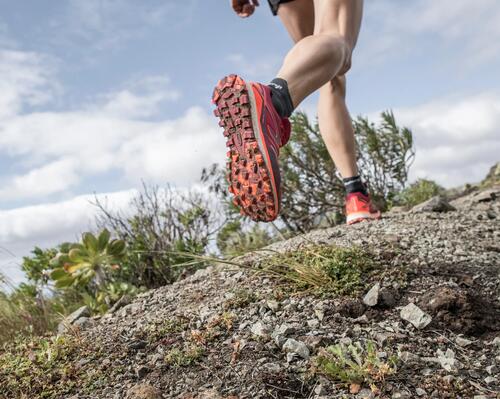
(25, 81)
(51, 178)
(470, 28)
(54, 151)
(105, 24)
(139, 99)
(259, 69)
(49, 224)
(457, 140)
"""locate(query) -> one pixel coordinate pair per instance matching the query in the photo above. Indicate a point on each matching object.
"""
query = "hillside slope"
(229, 332)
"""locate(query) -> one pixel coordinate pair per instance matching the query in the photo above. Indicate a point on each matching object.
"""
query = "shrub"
(324, 269)
(355, 364)
(234, 240)
(313, 193)
(418, 192)
(161, 225)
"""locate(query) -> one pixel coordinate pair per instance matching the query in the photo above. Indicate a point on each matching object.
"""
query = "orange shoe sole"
(248, 174)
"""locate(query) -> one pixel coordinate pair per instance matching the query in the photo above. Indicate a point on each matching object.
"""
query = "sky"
(99, 95)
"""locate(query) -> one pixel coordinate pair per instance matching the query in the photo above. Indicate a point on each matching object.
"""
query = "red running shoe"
(359, 207)
(255, 132)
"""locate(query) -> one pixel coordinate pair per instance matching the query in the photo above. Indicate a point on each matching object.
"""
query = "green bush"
(328, 270)
(418, 192)
(356, 363)
(313, 192)
(234, 240)
(162, 226)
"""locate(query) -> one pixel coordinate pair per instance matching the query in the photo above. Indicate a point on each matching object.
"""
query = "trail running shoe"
(255, 132)
(359, 207)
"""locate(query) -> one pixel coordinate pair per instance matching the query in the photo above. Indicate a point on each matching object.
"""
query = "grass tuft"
(45, 367)
(355, 364)
(324, 269)
(185, 356)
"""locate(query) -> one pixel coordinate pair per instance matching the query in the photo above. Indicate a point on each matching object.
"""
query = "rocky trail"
(425, 324)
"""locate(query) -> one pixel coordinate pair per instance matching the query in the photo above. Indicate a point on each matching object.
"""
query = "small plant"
(240, 298)
(326, 269)
(183, 357)
(88, 261)
(355, 364)
(418, 192)
(43, 367)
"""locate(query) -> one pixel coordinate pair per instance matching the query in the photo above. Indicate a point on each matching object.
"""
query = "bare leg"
(317, 59)
(334, 120)
(336, 29)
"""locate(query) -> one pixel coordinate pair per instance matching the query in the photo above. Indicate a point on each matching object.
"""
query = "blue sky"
(98, 94)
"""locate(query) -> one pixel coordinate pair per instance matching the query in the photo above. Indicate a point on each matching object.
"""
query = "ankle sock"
(281, 97)
(354, 185)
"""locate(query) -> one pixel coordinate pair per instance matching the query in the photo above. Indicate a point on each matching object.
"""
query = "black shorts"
(274, 4)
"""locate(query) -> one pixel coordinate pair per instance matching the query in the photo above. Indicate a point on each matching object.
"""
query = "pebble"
(273, 305)
(371, 297)
(490, 380)
(416, 316)
(292, 346)
(447, 360)
(463, 342)
(260, 329)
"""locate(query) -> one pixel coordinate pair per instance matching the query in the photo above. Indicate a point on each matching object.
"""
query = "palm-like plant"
(88, 261)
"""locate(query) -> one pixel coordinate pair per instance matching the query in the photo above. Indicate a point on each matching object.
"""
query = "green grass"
(240, 298)
(189, 354)
(326, 270)
(46, 367)
(418, 192)
(356, 364)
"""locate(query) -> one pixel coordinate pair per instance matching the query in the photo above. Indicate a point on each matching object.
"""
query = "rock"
(280, 332)
(320, 389)
(416, 316)
(365, 393)
(273, 305)
(313, 323)
(296, 348)
(69, 320)
(272, 367)
(463, 342)
(371, 297)
(123, 301)
(143, 391)
(141, 371)
(260, 329)
(435, 204)
(420, 392)
(491, 369)
(496, 342)
(447, 360)
(490, 380)
(83, 322)
(408, 357)
(138, 344)
(319, 311)
(485, 196)
(387, 298)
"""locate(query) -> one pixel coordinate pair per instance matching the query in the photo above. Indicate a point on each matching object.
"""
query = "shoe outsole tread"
(248, 175)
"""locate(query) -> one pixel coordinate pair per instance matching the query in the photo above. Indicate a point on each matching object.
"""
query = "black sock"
(354, 185)
(281, 97)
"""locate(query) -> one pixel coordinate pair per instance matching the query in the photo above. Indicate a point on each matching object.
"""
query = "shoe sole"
(361, 216)
(250, 175)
